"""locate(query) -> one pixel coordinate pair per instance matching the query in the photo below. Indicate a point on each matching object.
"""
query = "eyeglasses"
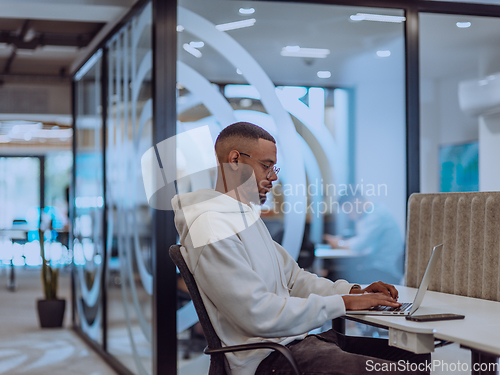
(272, 170)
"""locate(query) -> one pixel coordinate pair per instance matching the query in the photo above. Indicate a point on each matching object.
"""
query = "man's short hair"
(244, 130)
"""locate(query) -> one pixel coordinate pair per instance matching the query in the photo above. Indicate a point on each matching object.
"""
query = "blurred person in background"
(378, 242)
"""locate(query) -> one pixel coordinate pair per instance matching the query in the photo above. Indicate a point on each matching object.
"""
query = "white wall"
(441, 123)
(429, 137)
(380, 146)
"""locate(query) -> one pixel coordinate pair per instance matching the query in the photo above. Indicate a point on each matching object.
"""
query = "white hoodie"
(252, 288)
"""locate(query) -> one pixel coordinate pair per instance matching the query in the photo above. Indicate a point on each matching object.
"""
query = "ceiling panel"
(63, 11)
(446, 50)
(290, 24)
(44, 37)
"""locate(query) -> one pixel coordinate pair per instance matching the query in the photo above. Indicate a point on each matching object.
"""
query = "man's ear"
(233, 159)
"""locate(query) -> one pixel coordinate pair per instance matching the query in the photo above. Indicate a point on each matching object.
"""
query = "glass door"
(20, 211)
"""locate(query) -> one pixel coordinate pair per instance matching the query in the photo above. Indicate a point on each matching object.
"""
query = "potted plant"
(51, 309)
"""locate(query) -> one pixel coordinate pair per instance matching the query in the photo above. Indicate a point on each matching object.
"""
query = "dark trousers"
(333, 353)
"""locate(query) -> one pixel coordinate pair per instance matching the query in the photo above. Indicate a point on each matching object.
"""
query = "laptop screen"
(436, 253)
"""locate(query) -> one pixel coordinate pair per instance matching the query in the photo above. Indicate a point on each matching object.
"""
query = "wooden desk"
(479, 331)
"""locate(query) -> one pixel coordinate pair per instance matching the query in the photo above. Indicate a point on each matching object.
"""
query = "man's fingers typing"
(381, 287)
(367, 300)
(387, 301)
(393, 290)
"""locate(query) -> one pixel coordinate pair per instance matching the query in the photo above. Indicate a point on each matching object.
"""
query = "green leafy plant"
(49, 274)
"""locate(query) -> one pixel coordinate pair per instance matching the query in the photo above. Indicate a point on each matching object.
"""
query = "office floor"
(27, 349)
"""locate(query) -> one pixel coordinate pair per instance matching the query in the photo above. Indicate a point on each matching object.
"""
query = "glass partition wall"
(129, 281)
(88, 220)
(330, 87)
(112, 231)
(338, 86)
(459, 68)
(21, 201)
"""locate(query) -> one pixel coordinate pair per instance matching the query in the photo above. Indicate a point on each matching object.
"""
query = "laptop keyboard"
(402, 308)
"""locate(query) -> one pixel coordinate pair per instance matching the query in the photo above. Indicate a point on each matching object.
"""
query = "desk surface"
(479, 330)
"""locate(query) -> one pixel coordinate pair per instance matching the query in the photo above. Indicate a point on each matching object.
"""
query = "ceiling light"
(383, 53)
(180, 28)
(29, 36)
(356, 17)
(246, 103)
(62, 134)
(21, 127)
(292, 48)
(377, 17)
(235, 25)
(193, 51)
(239, 71)
(196, 44)
(463, 25)
(25, 130)
(324, 74)
(247, 10)
(295, 51)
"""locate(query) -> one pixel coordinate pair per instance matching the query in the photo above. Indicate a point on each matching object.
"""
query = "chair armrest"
(258, 345)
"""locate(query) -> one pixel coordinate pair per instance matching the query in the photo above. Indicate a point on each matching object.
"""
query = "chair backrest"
(216, 360)
(468, 224)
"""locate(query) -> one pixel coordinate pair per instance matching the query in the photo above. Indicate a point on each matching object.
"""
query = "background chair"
(214, 348)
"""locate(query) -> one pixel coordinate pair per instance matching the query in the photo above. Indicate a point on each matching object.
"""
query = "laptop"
(407, 308)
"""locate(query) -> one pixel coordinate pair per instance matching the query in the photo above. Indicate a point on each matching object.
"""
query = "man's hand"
(381, 287)
(365, 301)
(335, 242)
(378, 287)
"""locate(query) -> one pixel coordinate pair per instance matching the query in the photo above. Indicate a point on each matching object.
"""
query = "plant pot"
(51, 312)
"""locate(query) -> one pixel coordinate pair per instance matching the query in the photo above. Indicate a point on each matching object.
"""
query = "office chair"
(214, 348)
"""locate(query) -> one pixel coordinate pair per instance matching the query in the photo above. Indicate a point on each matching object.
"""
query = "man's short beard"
(245, 175)
(249, 186)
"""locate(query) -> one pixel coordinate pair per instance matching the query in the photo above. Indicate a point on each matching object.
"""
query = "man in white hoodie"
(252, 289)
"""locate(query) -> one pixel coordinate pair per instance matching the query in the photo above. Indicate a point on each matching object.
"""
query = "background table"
(329, 253)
